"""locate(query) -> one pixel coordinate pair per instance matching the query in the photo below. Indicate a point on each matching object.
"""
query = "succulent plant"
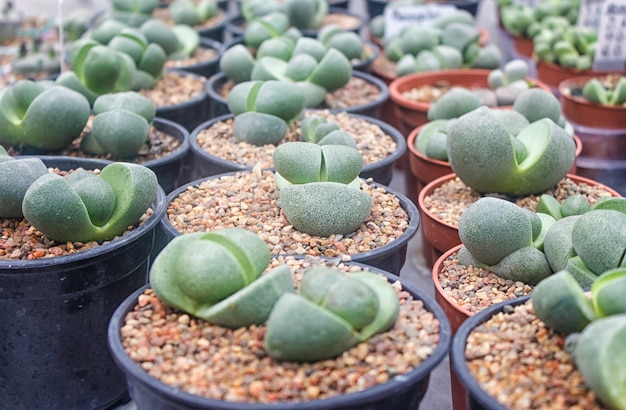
(611, 91)
(348, 42)
(452, 42)
(267, 26)
(506, 239)
(595, 324)
(487, 158)
(133, 12)
(584, 240)
(16, 175)
(333, 312)
(120, 126)
(218, 276)
(87, 207)
(191, 13)
(319, 187)
(263, 109)
(564, 44)
(523, 20)
(257, 8)
(41, 116)
(320, 131)
(306, 14)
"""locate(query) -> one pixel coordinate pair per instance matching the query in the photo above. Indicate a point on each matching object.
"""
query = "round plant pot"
(188, 113)
(425, 169)
(54, 314)
(353, 22)
(389, 257)
(171, 169)
(402, 392)
(203, 68)
(440, 236)
(377, 7)
(219, 105)
(552, 74)
(602, 129)
(206, 164)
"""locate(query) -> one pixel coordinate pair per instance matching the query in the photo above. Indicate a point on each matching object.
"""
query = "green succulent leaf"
(16, 175)
(53, 206)
(47, 118)
(607, 293)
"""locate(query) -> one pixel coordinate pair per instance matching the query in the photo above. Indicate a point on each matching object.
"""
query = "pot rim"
(363, 396)
(435, 277)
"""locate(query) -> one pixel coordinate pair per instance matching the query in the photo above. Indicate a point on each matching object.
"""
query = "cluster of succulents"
(432, 139)
(48, 117)
(610, 90)
(218, 276)
(595, 325)
(570, 46)
(453, 41)
(515, 243)
(300, 14)
(305, 62)
(523, 20)
(81, 206)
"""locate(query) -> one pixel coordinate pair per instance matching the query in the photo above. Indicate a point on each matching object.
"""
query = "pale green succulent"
(596, 327)
(87, 207)
(133, 12)
(306, 14)
(41, 116)
(319, 187)
(264, 109)
(333, 312)
(120, 126)
(16, 175)
(595, 91)
(320, 131)
(192, 13)
(218, 276)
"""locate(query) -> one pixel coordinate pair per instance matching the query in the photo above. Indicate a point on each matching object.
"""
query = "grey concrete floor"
(438, 396)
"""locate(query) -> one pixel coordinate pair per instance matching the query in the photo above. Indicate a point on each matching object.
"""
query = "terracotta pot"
(425, 169)
(439, 236)
(553, 74)
(523, 46)
(601, 128)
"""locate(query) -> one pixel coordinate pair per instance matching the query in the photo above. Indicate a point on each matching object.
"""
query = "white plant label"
(399, 16)
(611, 47)
(589, 14)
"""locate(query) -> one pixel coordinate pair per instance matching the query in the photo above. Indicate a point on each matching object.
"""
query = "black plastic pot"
(170, 169)
(477, 398)
(54, 314)
(400, 393)
(189, 113)
(206, 164)
(235, 27)
(209, 67)
(219, 105)
(377, 7)
(390, 257)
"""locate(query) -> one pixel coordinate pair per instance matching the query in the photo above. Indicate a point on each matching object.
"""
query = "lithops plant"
(120, 125)
(306, 14)
(263, 110)
(192, 13)
(610, 90)
(319, 187)
(506, 239)
(133, 12)
(332, 312)
(487, 158)
(320, 131)
(348, 42)
(45, 117)
(16, 175)
(218, 276)
(83, 206)
(595, 323)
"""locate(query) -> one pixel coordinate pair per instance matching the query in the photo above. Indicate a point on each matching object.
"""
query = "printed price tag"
(589, 14)
(611, 47)
(400, 16)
